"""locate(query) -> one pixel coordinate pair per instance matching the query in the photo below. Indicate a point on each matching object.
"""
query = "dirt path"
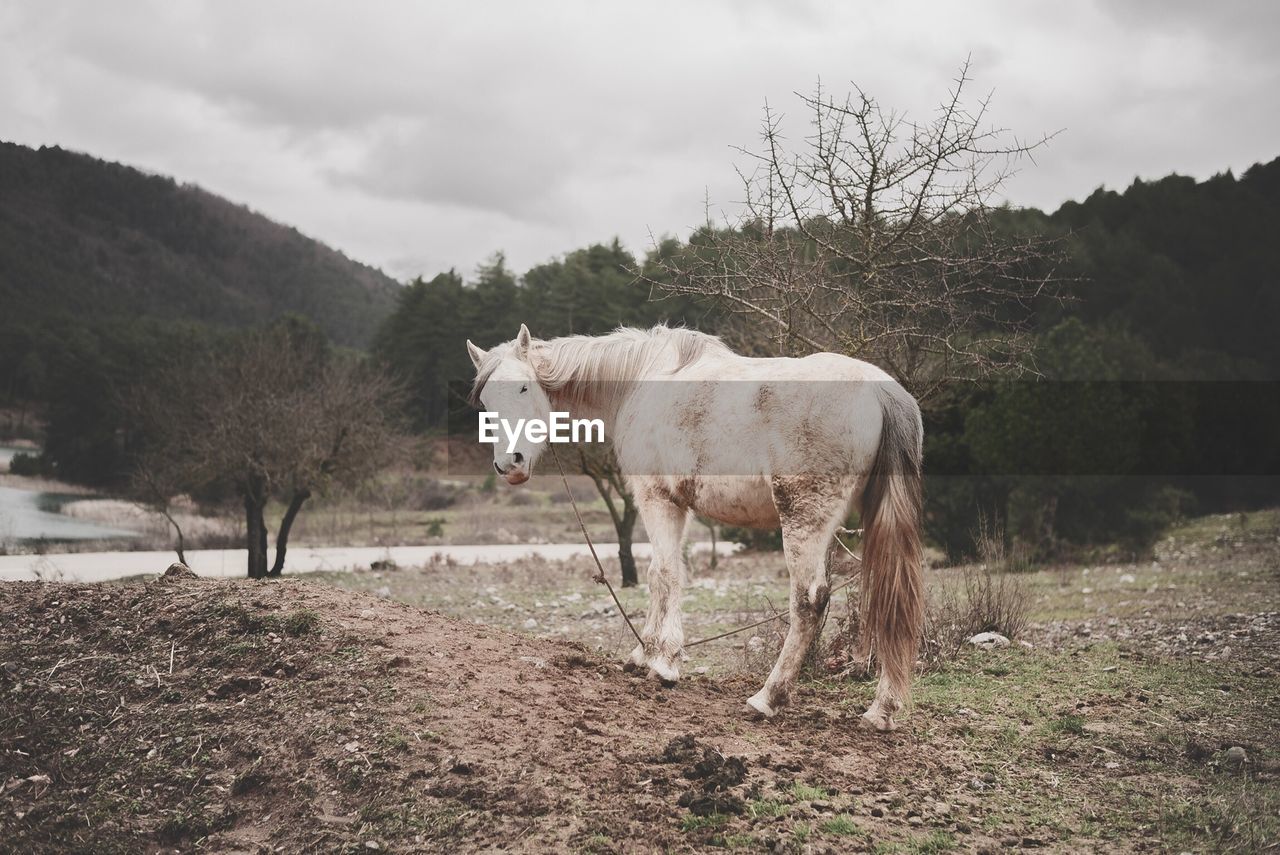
(380, 723)
(298, 717)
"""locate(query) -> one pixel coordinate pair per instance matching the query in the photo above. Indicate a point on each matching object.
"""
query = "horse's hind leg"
(662, 639)
(810, 511)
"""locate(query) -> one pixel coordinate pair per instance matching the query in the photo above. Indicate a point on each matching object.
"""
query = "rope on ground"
(599, 578)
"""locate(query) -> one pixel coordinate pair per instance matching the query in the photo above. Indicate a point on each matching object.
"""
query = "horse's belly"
(743, 501)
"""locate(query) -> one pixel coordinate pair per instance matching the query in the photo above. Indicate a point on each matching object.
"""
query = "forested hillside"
(83, 239)
(1191, 269)
(1156, 394)
(1170, 289)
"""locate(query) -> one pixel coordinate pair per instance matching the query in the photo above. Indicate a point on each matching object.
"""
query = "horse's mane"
(580, 367)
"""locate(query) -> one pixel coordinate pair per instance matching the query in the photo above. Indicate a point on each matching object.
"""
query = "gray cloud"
(420, 136)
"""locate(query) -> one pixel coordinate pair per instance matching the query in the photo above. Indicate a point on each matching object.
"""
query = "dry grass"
(981, 600)
(986, 597)
(962, 602)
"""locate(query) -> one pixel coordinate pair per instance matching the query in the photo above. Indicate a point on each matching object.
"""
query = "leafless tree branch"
(879, 237)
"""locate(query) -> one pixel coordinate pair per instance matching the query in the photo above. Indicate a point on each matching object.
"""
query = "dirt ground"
(1140, 714)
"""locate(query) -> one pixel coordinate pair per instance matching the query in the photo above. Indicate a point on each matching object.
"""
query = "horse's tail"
(892, 577)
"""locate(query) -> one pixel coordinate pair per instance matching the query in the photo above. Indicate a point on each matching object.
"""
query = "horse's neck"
(585, 408)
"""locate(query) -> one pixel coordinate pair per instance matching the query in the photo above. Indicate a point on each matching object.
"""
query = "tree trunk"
(182, 556)
(625, 527)
(282, 536)
(714, 558)
(611, 485)
(256, 532)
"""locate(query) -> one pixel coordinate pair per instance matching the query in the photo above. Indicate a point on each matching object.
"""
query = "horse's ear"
(523, 340)
(475, 353)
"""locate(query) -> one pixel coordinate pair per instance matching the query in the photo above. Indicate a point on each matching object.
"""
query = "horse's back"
(814, 368)
(746, 421)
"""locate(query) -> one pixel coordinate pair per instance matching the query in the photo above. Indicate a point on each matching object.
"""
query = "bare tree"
(877, 238)
(148, 484)
(275, 415)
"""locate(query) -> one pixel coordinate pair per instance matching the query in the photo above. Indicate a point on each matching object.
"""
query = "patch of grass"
(930, 844)
(842, 825)
(766, 808)
(1205, 529)
(398, 820)
(597, 843)
(808, 793)
(1235, 814)
(235, 617)
(1071, 723)
(237, 649)
(395, 741)
(300, 622)
(444, 821)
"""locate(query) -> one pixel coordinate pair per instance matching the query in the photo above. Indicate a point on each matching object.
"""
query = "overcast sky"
(421, 136)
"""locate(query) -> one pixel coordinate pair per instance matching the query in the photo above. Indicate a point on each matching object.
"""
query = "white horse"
(794, 443)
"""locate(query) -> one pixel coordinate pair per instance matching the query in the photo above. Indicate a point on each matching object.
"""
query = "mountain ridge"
(85, 237)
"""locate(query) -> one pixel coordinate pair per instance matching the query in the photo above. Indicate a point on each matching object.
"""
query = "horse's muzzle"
(512, 469)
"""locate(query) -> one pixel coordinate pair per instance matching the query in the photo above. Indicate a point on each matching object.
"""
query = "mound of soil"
(239, 716)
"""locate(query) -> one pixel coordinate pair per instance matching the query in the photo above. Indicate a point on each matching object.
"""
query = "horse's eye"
(524, 389)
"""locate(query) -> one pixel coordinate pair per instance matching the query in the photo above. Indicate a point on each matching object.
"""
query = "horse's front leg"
(662, 639)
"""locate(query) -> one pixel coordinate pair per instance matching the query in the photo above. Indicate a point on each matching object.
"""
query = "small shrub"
(523, 498)
(754, 539)
(435, 495)
(31, 465)
(982, 601)
(435, 527)
(994, 553)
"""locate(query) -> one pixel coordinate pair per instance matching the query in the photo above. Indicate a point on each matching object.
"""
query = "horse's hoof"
(872, 720)
(664, 671)
(758, 707)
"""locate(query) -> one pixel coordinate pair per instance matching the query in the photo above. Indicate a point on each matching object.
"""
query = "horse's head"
(507, 386)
